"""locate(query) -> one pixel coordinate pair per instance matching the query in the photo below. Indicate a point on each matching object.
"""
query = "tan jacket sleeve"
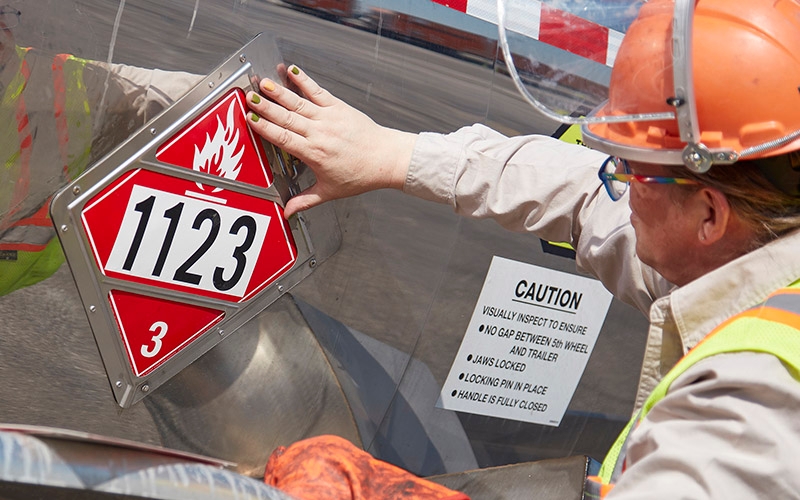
(728, 428)
(154, 89)
(123, 98)
(539, 185)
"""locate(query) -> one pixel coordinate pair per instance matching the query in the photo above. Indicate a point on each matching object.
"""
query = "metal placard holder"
(259, 58)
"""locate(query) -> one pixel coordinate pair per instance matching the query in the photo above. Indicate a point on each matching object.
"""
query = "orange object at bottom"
(331, 468)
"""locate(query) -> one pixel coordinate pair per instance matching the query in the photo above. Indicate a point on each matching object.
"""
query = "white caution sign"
(527, 343)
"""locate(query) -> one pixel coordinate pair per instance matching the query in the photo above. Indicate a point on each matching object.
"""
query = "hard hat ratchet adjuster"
(698, 158)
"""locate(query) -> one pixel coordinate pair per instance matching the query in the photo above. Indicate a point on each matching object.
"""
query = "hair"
(768, 209)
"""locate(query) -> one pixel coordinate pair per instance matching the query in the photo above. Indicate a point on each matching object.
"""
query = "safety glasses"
(616, 183)
(9, 17)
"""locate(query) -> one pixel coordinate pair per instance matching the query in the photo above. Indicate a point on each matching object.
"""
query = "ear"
(714, 213)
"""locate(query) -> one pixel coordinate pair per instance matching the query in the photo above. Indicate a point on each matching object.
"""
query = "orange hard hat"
(745, 74)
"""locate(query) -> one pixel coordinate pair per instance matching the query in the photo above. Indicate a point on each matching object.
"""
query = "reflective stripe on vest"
(16, 164)
(772, 327)
(30, 234)
(72, 114)
(29, 251)
(73, 124)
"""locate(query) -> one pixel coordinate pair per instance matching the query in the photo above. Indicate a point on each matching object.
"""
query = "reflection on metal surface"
(39, 463)
(362, 346)
(105, 441)
(555, 479)
(370, 372)
(268, 385)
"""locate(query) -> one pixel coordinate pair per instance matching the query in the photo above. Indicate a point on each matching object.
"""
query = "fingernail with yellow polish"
(295, 70)
(254, 117)
(268, 85)
(255, 99)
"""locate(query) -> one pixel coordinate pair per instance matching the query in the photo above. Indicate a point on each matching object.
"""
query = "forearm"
(537, 185)
(154, 89)
(530, 184)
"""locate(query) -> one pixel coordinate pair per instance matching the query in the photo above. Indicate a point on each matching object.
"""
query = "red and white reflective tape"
(549, 25)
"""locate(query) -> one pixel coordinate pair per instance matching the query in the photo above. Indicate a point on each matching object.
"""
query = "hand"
(349, 153)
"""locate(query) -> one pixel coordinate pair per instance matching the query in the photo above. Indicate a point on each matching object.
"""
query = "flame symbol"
(219, 155)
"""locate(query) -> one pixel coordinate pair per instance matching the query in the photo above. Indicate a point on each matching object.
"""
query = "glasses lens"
(9, 18)
(616, 188)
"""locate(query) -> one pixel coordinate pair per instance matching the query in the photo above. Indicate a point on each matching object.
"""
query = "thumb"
(303, 201)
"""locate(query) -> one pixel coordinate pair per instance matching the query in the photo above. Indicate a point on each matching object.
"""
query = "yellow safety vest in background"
(772, 327)
(29, 250)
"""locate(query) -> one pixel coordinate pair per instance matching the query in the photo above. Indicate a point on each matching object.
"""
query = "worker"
(694, 219)
(59, 113)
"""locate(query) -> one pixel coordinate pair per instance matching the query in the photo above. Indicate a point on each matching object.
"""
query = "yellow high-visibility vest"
(772, 327)
(29, 250)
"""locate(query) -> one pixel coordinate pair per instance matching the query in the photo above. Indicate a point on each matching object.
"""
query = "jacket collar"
(700, 306)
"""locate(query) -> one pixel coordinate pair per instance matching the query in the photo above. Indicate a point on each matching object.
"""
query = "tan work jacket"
(728, 428)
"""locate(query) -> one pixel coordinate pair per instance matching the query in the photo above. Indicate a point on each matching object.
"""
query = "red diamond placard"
(152, 228)
(156, 329)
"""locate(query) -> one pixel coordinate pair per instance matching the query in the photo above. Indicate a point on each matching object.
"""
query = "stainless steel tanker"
(437, 343)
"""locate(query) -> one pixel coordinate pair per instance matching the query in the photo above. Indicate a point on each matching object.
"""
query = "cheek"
(643, 202)
(653, 215)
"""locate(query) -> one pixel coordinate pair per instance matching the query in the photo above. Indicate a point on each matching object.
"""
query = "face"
(6, 38)
(663, 233)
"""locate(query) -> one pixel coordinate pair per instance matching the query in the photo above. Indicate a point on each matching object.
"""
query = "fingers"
(277, 114)
(332, 138)
(286, 98)
(313, 96)
(275, 134)
(286, 118)
(310, 89)
(285, 108)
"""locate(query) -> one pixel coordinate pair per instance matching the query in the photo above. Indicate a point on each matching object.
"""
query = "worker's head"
(10, 17)
(742, 77)
(735, 134)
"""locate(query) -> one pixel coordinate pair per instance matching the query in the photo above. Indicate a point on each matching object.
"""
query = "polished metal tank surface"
(553, 479)
(47, 463)
(362, 346)
(249, 393)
